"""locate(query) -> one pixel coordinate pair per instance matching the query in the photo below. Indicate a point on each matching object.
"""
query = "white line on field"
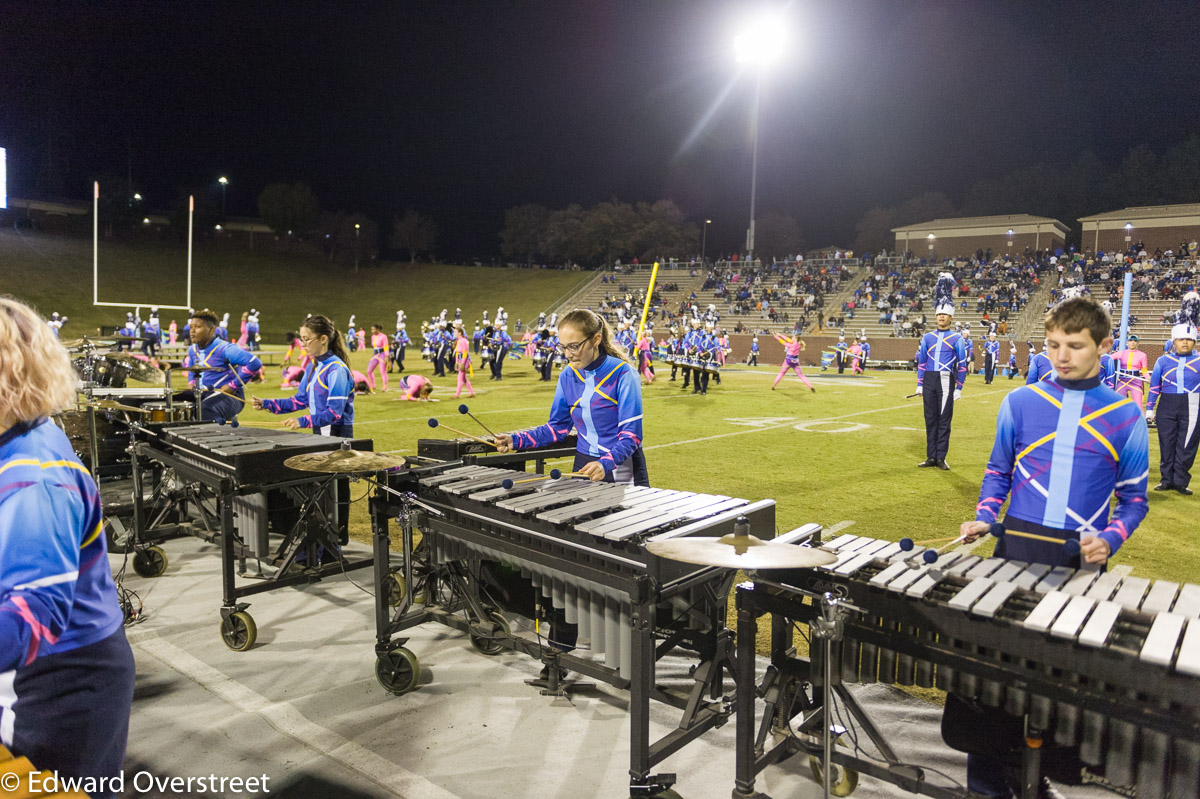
(837, 528)
(289, 721)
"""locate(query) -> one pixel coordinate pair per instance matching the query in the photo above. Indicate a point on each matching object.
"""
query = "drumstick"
(463, 409)
(217, 391)
(436, 423)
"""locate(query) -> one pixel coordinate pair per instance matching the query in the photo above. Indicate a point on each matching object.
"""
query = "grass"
(54, 273)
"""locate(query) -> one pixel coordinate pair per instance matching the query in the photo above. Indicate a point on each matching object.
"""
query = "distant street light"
(224, 181)
(704, 244)
(1128, 235)
(931, 240)
(1010, 235)
(357, 227)
(760, 44)
(137, 197)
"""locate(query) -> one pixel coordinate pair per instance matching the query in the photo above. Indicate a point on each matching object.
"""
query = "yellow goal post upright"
(137, 304)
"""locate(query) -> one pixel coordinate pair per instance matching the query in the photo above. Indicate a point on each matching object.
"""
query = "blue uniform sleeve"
(335, 386)
(921, 359)
(1155, 383)
(39, 566)
(997, 475)
(960, 350)
(1133, 471)
(555, 429)
(629, 420)
(1035, 368)
(298, 402)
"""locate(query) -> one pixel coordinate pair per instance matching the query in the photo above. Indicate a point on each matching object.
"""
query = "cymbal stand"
(828, 629)
(406, 517)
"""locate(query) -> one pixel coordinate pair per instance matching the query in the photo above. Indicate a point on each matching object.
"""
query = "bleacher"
(635, 281)
(754, 321)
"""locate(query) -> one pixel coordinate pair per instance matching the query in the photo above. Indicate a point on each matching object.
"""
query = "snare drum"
(112, 437)
(159, 413)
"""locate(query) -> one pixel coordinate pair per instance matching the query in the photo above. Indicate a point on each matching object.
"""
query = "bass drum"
(112, 437)
(159, 413)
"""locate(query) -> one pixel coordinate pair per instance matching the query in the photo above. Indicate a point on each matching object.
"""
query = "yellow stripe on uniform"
(93, 536)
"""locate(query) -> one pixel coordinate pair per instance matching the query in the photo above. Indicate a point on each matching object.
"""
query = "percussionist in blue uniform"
(1064, 445)
(66, 671)
(230, 366)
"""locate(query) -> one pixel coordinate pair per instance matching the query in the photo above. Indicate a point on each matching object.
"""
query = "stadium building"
(1010, 233)
(1158, 227)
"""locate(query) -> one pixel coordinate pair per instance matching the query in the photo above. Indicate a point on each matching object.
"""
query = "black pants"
(546, 368)
(72, 709)
(439, 361)
(687, 375)
(841, 363)
(753, 359)
(700, 383)
(1178, 434)
(498, 362)
(989, 369)
(938, 395)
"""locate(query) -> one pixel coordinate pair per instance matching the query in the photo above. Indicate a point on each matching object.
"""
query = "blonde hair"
(36, 377)
(589, 323)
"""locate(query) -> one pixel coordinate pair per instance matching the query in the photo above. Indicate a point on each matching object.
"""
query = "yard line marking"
(914, 429)
(286, 719)
(837, 528)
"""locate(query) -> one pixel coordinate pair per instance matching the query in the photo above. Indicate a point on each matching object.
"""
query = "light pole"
(357, 228)
(224, 181)
(1010, 235)
(1128, 236)
(931, 240)
(704, 241)
(760, 44)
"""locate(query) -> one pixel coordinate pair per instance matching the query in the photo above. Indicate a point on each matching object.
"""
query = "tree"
(288, 208)
(777, 236)
(924, 208)
(874, 230)
(663, 232)
(1136, 180)
(562, 240)
(524, 230)
(414, 232)
(607, 231)
(351, 237)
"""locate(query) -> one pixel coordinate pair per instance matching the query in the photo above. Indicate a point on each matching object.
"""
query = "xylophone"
(230, 485)
(1095, 660)
(582, 544)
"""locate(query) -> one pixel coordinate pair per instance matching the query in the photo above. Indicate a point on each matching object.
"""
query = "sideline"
(397, 780)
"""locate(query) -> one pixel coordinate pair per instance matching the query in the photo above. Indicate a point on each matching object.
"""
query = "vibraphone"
(223, 484)
(583, 545)
(1095, 660)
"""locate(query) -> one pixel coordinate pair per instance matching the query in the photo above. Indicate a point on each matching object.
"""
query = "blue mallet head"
(433, 422)
(930, 556)
(463, 409)
(906, 545)
(555, 474)
(1071, 547)
(506, 483)
(998, 530)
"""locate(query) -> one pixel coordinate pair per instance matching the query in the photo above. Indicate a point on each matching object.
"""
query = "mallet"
(463, 409)
(436, 423)
(509, 483)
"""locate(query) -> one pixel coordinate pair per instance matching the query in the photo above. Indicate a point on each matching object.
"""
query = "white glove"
(918, 389)
(957, 394)
(1150, 415)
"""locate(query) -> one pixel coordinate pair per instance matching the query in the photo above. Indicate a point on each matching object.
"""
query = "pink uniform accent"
(856, 359)
(413, 385)
(791, 360)
(379, 344)
(644, 359)
(1131, 361)
(241, 342)
(291, 377)
(173, 332)
(462, 364)
(358, 377)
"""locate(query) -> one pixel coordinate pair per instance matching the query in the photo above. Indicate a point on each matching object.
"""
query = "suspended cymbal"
(745, 552)
(85, 343)
(343, 461)
(138, 369)
(126, 339)
(113, 405)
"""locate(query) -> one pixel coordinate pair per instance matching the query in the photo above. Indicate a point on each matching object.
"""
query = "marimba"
(582, 544)
(1095, 660)
(230, 485)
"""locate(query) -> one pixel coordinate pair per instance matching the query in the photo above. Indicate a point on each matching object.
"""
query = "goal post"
(134, 303)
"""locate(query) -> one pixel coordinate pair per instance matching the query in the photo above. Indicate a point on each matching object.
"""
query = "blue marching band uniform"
(400, 343)
(1174, 399)
(234, 367)
(1039, 368)
(991, 359)
(942, 354)
(66, 670)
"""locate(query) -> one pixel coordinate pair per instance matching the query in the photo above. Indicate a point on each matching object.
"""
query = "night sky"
(463, 109)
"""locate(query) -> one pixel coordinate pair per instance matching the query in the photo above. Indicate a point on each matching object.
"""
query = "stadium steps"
(756, 323)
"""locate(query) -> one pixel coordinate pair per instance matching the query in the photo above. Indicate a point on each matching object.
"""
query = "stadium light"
(1010, 235)
(137, 197)
(1128, 234)
(759, 44)
(704, 244)
(931, 240)
(224, 181)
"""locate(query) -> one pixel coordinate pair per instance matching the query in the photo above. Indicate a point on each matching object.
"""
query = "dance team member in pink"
(416, 388)
(379, 357)
(462, 360)
(792, 347)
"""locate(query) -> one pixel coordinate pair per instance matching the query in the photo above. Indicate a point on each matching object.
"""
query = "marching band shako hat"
(1187, 319)
(943, 294)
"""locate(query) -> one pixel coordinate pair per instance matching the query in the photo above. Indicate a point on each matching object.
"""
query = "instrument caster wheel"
(842, 782)
(484, 640)
(396, 588)
(238, 631)
(398, 671)
(150, 562)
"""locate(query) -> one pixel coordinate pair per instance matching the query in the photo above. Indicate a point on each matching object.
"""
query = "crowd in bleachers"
(788, 291)
(1158, 275)
(994, 288)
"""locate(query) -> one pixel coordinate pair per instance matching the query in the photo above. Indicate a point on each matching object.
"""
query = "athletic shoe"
(1187, 492)
(1164, 487)
(925, 464)
(945, 467)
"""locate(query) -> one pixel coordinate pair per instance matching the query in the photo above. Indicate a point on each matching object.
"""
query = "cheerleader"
(462, 360)
(244, 333)
(644, 357)
(379, 358)
(792, 347)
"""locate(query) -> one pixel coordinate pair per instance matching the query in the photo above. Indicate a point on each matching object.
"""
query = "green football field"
(844, 457)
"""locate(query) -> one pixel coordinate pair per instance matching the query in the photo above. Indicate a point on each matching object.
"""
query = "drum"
(112, 437)
(560, 361)
(110, 373)
(539, 359)
(426, 352)
(485, 356)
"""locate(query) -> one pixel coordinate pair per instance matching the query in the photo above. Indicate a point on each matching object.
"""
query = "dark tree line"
(1065, 192)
